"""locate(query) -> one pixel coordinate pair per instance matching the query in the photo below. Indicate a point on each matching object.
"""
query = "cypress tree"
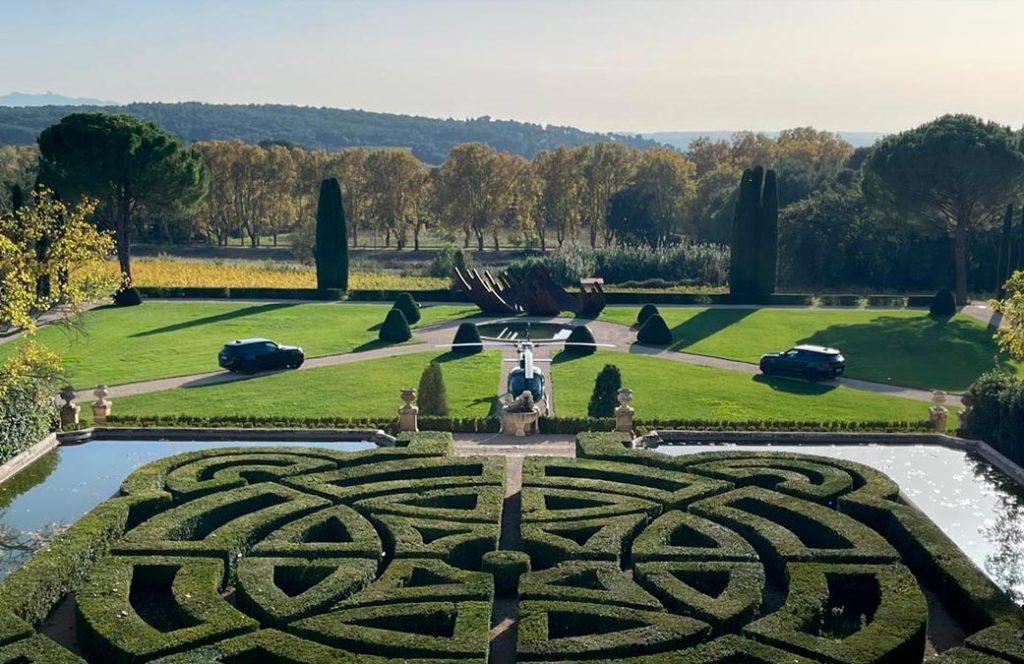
(1003, 264)
(768, 236)
(654, 332)
(17, 198)
(646, 312)
(742, 240)
(604, 398)
(431, 396)
(331, 238)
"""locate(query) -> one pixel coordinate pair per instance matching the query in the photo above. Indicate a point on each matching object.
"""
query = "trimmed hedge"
(407, 305)
(654, 332)
(726, 594)
(127, 297)
(184, 598)
(395, 328)
(646, 312)
(579, 337)
(943, 304)
(507, 567)
(855, 614)
(586, 581)
(606, 538)
(468, 333)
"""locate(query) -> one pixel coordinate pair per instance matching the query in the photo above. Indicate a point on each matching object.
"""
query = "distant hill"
(50, 99)
(430, 139)
(681, 139)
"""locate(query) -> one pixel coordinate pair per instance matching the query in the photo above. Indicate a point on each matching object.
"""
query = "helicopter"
(526, 377)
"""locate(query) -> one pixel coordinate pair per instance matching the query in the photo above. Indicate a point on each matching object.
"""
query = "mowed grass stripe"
(361, 389)
(664, 389)
(901, 347)
(164, 339)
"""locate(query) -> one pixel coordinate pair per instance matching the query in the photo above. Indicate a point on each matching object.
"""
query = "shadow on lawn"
(919, 351)
(795, 385)
(218, 318)
(704, 325)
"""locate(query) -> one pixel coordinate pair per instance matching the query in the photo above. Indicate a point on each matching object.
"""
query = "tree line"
(919, 209)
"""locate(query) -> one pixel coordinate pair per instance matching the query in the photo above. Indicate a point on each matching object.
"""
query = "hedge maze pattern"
(310, 556)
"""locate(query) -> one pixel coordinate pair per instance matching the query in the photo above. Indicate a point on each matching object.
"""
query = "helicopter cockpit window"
(518, 383)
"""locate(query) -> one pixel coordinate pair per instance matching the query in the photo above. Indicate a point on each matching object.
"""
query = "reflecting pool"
(57, 490)
(976, 505)
(519, 330)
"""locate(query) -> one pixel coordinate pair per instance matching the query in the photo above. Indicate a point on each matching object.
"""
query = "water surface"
(61, 487)
(976, 505)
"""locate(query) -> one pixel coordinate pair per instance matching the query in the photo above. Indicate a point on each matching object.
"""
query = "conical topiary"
(604, 399)
(395, 328)
(646, 312)
(654, 332)
(431, 396)
(408, 305)
(944, 303)
(467, 334)
(580, 341)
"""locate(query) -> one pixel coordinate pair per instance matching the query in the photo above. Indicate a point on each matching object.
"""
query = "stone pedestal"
(70, 411)
(938, 413)
(624, 413)
(101, 407)
(520, 424)
(408, 414)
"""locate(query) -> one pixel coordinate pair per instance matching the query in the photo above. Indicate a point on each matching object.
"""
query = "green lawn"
(162, 339)
(900, 347)
(665, 389)
(361, 389)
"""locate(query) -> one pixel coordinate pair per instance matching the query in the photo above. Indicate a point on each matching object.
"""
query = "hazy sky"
(640, 66)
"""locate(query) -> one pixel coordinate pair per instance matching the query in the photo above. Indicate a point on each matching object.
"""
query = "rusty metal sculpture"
(533, 292)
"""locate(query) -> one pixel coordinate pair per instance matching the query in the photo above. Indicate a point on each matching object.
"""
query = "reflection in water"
(54, 492)
(17, 545)
(974, 504)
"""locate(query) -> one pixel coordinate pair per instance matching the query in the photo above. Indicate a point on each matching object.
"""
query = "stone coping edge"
(26, 458)
(376, 436)
(990, 454)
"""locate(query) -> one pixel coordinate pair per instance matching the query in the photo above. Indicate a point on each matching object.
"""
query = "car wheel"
(294, 364)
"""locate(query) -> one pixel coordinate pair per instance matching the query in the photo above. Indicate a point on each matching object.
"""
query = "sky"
(604, 66)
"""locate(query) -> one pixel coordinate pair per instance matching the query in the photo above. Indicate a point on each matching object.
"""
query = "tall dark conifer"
(768, 236)
(331, 238)
(1003, 264)
(17, 198)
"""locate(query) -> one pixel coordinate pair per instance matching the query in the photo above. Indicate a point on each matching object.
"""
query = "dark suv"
(252, 355)
(811, 362)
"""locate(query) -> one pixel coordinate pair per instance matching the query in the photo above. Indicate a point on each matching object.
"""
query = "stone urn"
(408, 414)
(521, 417)
(102, 406)
(624, 413)
(938, 413)
(70, 411)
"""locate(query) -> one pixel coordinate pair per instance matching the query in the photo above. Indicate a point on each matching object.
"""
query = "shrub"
(431, 396)
(580, 341)
(447, 259)
(604, 399)
(407, 305)
(646, 312)
(395, 329)
(467, 334)
(331, 251)
(25, 417)
(654, 332)
(943, 304)
(127, 297)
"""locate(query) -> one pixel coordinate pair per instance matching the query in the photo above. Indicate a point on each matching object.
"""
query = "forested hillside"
(430, 139)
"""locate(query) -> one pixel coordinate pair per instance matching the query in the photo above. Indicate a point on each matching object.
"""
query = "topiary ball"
(944, 303)
(467, 334)
(580, 341)
(654, 332)
(127, 297)
(646, 312)
(395, 329)
(407, 305)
